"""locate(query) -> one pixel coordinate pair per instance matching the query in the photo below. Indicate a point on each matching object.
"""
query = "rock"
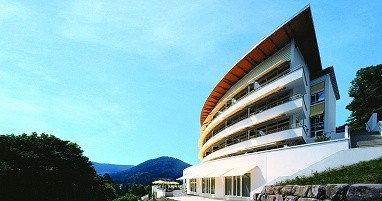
(308, 199)
(260, 197)
(301, 191)
(256, 197)
(291, 198)
(363, 192)
(277, 189)
(337, 192)
(317, 191)
(287, 190)
(263, 191)
(268, 190)
(270, 198)
(279, 197)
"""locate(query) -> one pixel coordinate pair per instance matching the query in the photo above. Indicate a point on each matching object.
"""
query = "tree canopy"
(43, 167)
(366, 91)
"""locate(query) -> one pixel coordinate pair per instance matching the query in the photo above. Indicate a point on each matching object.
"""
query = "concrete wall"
(298, 59)
(330, 106)
(273, 164)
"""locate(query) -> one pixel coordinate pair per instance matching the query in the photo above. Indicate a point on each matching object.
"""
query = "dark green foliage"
(366, 91)
(363, 172)
(127, 197)
(322, 138)
(151, 170)
(137, 189)
(43, 167)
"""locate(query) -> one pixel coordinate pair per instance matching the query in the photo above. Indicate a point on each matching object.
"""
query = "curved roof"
(300, 28)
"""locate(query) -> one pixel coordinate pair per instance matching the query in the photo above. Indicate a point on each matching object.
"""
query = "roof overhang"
(300, 28)
(220, 168)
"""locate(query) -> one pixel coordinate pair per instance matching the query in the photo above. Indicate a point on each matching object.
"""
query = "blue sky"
(126, 80)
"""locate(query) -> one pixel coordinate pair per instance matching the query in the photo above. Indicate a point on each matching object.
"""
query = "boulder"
(308, 199)
(301, 191)
(287, 190)
(279, 197)
(317, 191)
(277, 189)
(267, 190)
(363, 192)
(270, 197)
(337, 192)
(291, 198)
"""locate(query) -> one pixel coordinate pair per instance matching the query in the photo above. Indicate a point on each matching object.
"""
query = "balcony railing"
(266, 107)
(255, 89)
(257, 134)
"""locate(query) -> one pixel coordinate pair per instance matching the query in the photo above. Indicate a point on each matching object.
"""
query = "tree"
(366, 91)
(43, 167)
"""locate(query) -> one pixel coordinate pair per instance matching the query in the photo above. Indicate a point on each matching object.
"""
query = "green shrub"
(127, 197)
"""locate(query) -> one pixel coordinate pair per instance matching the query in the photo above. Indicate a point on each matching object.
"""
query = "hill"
(103, 168)
(166, 168)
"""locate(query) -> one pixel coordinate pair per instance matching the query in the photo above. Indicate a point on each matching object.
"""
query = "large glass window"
(246, 187)
(193, 185)
(212, 185)
(228, 185)
(204, 185)
(317, 125)
(208, 185)
(317, 97)
(238, 185)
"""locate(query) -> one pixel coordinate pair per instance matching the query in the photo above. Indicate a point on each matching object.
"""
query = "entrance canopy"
(217, 169)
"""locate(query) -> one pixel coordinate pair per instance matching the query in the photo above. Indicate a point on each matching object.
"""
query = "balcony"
(295, 77)
(269, 139)
(289, 106)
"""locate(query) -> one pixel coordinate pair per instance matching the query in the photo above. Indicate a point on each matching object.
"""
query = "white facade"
(263, 124)
(264, 167)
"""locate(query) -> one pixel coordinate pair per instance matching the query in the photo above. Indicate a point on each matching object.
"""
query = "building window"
(317, 125)
(317, 97)
(238, 185)
(246, 187)
(228, 185)
(274, 74)
(193, 185)
(208, 185)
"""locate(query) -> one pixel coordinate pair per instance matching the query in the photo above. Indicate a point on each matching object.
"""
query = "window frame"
(317, 125)
(235, 186)
(317, 97)
(208, 185)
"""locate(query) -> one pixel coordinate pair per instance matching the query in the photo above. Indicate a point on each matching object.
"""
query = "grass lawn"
(363, 172)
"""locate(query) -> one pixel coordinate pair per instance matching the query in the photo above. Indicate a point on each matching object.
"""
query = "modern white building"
(262, 121)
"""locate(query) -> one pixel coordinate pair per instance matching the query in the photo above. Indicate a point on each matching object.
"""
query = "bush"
(127, 197)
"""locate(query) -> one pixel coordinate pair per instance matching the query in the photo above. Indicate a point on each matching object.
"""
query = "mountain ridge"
(106, 168)
(165, 168)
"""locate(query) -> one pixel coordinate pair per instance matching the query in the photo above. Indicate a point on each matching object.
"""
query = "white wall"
(296, 56)
(372, 124)
(344, 157)
(272, 164)
(219, 192)
(330, 106)
(298, 59)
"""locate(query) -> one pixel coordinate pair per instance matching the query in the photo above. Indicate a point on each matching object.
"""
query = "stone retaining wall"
(334, 192)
